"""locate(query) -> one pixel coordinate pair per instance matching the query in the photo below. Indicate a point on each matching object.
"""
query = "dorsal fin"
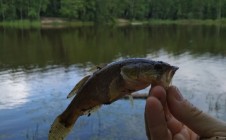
(102, 65)
(97, 67)
(78, 86)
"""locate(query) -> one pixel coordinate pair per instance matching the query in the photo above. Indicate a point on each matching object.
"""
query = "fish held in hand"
(109, 84)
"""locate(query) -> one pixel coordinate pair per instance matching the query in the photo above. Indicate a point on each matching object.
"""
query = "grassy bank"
(21, 24)
(217, 22)
(51, 22)
(44, 23)
(188, 22)
(59, 23)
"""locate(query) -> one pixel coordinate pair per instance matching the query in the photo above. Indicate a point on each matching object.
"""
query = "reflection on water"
(39, 67)
(14, 90)
(39, 48)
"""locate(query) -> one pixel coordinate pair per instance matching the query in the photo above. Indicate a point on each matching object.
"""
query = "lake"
(39, 67)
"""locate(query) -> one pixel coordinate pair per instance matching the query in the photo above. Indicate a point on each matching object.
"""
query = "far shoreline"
(53, 22)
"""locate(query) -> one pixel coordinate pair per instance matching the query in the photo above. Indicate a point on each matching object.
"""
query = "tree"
(105, 11)
(21, 6)
(9, 9)
(88, 13)
(219, 6)
(3, 8)
(140, 9)
(70, 8)
(35, 8)
(53, 8)
(102, 13)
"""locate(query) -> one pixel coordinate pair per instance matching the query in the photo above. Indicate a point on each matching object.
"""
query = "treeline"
(108, 10)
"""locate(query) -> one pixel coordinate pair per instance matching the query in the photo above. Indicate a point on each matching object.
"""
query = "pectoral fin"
(78, 86)
(92, 110)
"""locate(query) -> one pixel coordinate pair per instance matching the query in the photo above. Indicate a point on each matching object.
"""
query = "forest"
(101, 11)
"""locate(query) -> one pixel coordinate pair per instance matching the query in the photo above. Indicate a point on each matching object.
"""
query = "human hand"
(168, 116)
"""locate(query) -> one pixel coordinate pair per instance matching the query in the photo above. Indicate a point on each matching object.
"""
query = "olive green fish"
(107, 85)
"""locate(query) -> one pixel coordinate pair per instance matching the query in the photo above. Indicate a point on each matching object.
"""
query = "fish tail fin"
(59, 130)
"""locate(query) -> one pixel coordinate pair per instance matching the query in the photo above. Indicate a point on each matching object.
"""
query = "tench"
(107, 85)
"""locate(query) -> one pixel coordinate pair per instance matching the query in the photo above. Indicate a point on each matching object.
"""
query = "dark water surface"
(38, 68)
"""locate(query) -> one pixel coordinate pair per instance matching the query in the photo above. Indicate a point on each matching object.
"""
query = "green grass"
(21, 24)
(78, 23)
(189, 22)
(37, 24)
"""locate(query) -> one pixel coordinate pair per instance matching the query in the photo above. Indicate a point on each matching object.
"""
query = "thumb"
(198, 121)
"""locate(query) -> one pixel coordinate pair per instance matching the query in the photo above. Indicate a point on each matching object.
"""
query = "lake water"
(38, 68)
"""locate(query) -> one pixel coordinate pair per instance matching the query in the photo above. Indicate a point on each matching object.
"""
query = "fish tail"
(59, 130)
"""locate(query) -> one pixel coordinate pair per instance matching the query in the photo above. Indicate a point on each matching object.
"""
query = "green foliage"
(22, 9)
(21, 24)
(105, 11)
(71, 8)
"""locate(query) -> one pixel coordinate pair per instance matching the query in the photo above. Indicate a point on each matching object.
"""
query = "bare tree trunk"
(219, 9)
(3, 12)
(21, 9)
(132, 9)
(39, 9)
(21, 13)
(28, 9)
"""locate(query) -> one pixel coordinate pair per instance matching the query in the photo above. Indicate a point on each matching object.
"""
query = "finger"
(146, 126)
(198, 121)
(193, 136)
(173, 124)
(156, 122)
(159, 93)
(178, 130)
(214, 138)
(183, 135)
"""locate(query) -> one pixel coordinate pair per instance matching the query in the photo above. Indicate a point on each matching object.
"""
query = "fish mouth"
(171, 73)
(173, 70)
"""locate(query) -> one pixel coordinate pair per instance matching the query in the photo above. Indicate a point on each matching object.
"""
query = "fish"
(108, 84)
